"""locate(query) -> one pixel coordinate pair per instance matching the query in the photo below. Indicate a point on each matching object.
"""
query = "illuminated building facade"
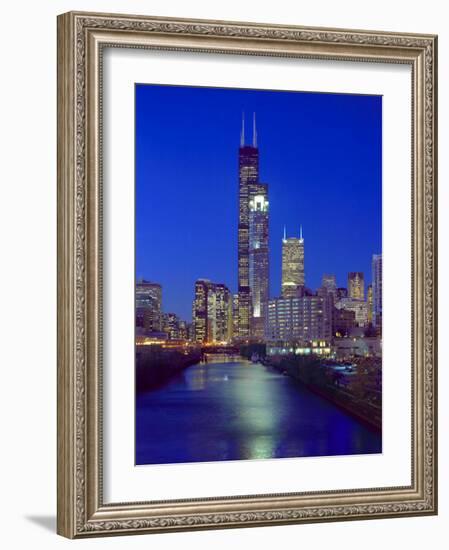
(296, 319)
(377, 290)
(258, 259)
(183, 330)
(252, 241)
(199, 314)
(328, 292)
(293, 279)
(369, 301)
(171, 325)
(359, 307)
(149, 305)
(222, 330)
(356, 285)
(235, 315)
(212, 312)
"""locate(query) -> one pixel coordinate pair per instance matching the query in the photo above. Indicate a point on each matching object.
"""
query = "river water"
(231, 409)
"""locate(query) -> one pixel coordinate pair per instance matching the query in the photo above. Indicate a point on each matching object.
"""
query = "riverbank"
(358, 392)
(156, 366)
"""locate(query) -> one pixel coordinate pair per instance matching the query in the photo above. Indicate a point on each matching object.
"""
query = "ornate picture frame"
(82, 38)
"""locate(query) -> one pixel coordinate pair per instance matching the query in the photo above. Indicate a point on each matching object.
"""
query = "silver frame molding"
(81, 39)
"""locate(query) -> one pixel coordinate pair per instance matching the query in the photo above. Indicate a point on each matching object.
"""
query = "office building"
(356, 285)
(258, 259)
(369, 301)
(171, 325)
(212, 312)
(329, 282)
(377, 290)
(149, 305)
(222, 325)
(296, 319)
(293, 278)
(343, 322)
(359, 307)
(253, 257)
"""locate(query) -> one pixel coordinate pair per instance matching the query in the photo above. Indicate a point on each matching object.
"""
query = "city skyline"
(342, 255)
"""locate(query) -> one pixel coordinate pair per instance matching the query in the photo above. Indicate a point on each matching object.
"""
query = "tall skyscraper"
(369, 301)
(356, 285)
(223, 314)
(149, 305)
(252, 240)
(328, 291)
(199, 313)
(212, 312)
(258, 259)
(293, 279)
(377, 290)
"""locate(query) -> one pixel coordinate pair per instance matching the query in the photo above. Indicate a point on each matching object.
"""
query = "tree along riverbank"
(357, 389)
(155, 366)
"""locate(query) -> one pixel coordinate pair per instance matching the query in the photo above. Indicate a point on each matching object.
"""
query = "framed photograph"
(246, 274)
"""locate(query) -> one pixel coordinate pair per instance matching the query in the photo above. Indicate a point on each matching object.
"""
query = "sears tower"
(253, 254)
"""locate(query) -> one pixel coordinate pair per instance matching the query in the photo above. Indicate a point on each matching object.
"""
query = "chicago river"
(232, 409)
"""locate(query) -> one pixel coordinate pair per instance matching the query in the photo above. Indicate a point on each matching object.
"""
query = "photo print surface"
(258, 274)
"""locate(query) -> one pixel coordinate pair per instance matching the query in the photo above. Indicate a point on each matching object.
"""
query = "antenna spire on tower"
(285, 233)
(300, 231)
(254, 131)
(242, 134)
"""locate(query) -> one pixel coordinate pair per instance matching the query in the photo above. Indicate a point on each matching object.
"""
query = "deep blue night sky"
(321, 155)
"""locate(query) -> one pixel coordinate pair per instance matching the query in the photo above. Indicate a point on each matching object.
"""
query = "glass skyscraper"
(149, 305)
(258, 259)
(253, 257)
(377, 290)
(212, 312)
(293, 278)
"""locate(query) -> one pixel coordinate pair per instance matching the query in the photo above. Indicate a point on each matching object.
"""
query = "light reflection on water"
(230, 409)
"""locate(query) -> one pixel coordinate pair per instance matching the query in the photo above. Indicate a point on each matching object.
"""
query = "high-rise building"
(258, 259)
(328, 291)
(171, 325)
(149, 305)
(297, 319)
(199, 314)
(183, 330)
(329, 282)
(293, 279)
(252, 240)
(377, 290)
(235, 315)
(369, 301)
(212, 312)
(356, 285)
(222, 331)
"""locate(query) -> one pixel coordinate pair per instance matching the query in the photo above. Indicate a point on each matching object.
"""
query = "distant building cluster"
(298, 320)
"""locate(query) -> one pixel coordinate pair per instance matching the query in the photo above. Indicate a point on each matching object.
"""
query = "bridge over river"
(231, 409)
